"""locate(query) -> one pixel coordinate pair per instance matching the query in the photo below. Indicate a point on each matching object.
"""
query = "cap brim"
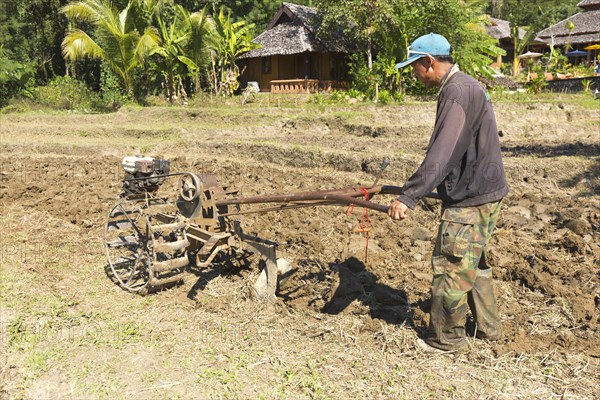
(409, 60)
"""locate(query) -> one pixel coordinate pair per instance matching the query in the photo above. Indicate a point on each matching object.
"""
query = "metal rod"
(300, 196)
(281, 208)
(382, 167)
(333, 196)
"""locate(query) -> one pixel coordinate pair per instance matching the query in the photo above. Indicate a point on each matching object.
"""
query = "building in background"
(500, 29)
(578, 33)
(292, 59)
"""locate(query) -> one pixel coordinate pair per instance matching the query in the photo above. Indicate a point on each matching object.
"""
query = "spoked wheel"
(145, 244)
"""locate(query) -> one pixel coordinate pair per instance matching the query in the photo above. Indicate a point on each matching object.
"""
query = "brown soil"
(60, 174)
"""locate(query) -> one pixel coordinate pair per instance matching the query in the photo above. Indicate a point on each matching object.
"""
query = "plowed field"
(343, 326)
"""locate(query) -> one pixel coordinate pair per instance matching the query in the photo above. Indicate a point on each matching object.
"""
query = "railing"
(306, 86)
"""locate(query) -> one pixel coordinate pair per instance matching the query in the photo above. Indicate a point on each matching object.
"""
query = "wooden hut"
(585, 28)
(292, 59)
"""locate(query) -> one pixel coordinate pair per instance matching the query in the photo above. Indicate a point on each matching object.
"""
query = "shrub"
(399, 97)
(15, 78)
(316, 98)
(537, 84)
(355, 94)
(110, 88)
(384, 96)
(338, 97)
(65, 93)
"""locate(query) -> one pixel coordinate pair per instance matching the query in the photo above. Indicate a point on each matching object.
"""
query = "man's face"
(422, 70)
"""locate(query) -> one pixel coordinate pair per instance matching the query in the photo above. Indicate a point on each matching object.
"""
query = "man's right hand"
(397, 210)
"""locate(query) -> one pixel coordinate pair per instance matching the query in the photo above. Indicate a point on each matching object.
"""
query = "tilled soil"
(63, 171)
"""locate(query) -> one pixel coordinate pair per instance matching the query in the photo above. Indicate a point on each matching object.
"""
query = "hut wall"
(287, 67)
(320, 66)
(255, 72)
(275, 72)
(326, 66)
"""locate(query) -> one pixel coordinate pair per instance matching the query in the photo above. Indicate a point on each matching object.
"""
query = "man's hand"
(397, 210)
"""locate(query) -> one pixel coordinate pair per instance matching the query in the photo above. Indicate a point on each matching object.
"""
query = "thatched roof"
(292, 31)
(586, 26)
(285, 39)
(307, 16)
(500, 29)
(589, 4)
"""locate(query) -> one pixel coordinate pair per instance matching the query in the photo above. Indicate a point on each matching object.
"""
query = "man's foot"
(492, 334)
(427, 348)
(483, 336)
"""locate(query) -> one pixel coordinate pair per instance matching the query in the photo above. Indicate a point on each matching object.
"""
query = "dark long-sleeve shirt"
(463, 159)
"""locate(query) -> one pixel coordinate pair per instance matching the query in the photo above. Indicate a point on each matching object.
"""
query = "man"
(463, 162)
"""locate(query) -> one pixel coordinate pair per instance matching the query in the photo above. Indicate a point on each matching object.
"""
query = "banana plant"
(175, 37)
(229, 40)
(184, 46)
(118, 42)
(519, 45)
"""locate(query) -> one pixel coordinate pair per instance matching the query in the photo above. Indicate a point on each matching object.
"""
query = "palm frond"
(80, 11)
(146, 44)
(77, 45)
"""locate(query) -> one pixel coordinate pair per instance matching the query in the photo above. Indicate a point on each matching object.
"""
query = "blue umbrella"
(576, 53)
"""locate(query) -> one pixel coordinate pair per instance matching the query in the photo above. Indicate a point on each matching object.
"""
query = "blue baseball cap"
(431, 44)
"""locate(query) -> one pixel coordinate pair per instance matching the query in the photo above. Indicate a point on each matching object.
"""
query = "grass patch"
(39, 361)
(589, 103)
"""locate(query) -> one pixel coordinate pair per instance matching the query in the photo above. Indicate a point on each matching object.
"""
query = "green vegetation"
(229, 41)
(124, 51)
(119, 43)
(15, 77)
(536, 15)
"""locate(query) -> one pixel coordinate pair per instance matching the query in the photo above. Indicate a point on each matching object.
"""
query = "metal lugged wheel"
(126, 246)
(145, 244)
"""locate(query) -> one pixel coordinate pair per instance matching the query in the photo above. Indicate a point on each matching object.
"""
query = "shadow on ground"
(356, 282)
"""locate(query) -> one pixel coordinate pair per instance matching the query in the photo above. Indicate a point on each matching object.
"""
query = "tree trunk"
(370, 55)
(516, 63)
(196, 83)
(171, 87)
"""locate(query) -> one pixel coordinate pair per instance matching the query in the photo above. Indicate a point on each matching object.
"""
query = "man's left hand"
(397, 210)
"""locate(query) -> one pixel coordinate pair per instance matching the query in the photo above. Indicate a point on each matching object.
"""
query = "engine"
(138, 167)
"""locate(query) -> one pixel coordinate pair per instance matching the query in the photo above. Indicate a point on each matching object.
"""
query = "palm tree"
(118, 42)
(203, 28)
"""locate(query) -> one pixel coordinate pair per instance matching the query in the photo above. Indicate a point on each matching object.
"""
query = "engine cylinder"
(137, 168)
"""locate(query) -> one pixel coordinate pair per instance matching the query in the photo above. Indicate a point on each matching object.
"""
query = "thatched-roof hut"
(585, 28)
(292, 58)
(500, 29)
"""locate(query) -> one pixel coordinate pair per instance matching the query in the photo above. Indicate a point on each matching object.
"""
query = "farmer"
(463, 162)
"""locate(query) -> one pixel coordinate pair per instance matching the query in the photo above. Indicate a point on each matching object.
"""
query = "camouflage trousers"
(461, 277)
